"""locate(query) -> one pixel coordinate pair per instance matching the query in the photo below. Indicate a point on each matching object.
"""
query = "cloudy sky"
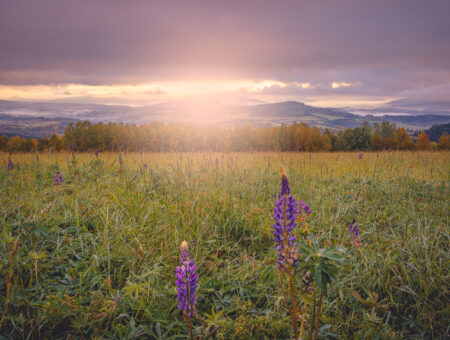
(327, 52)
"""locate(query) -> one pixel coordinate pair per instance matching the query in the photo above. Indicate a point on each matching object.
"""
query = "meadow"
(95, 256)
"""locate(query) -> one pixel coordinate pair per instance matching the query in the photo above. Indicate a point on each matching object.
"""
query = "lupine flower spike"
(96, 152)
(10, 164)
(305, 208)
(360, 156)
(58, 178)
(353, 230)
(187, 286)
(285, 213)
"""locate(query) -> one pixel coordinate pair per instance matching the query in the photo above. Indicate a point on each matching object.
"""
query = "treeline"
(436, 131)
(158, 137)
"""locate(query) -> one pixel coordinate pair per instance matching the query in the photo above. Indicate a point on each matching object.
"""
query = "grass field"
(96, 255)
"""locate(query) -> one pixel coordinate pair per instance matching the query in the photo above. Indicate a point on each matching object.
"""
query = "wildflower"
(120, 160)
(285, 213)
(71, 147)
(145, 166)
(10, 164)
(354, 233)
(96, 152)
(353, 230)
(305, 207)
(186, 283)
(58, 178)
(360, 156)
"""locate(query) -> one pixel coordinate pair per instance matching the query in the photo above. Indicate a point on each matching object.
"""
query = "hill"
(36, 119)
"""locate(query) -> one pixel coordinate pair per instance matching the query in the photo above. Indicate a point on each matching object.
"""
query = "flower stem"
(190, 328)
(318, 315)
(284, 293)
(303, 323)
(313, 314)
(294, 305)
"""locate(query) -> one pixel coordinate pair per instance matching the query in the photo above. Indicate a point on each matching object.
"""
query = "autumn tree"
(444, 141)
(34, 144)
(55, 142)
(14, 144)
(423, 142)
(403, 141)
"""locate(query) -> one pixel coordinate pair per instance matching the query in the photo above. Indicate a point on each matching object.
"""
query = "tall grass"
(97, 254)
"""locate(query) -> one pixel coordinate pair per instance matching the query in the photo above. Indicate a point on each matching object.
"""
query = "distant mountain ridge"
(37, 119)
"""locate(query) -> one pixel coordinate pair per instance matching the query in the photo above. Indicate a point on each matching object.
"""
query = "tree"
(377, 142)
(444, 141)
(55, 142)
(14, 144)
(3, 142)
(403, 141)
(43, 144)
(423, 142)
(388, 130)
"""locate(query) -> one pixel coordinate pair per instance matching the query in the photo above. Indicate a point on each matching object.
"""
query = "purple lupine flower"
(10, 164)
(285, 213)
(71, 147)
(96, 152)
(305, 207)
(186, 283)
(353, 231)
(120, 159)
(145, 166)
(58, 178)
(360, 156)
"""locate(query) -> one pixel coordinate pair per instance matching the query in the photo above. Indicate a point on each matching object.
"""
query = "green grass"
(100, 262)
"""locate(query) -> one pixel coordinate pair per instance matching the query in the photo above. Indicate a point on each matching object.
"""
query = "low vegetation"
(90, 244)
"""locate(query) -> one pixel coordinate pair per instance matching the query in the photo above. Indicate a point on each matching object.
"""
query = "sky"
(347, 53)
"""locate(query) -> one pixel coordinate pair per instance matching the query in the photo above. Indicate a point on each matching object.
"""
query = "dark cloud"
(386, 45)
